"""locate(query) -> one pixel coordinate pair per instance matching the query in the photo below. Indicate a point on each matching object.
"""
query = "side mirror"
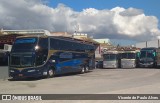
(138, 54)
(154, 53)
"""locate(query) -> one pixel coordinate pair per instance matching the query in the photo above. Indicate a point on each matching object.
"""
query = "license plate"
(20, 75)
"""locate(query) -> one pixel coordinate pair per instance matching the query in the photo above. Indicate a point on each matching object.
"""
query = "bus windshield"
(109, 57)
(148, 54)
(22, 60)
(128, 55)
(24, 44)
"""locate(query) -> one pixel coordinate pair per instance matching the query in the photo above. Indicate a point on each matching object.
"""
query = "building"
(66, 34)
(80, 35)
(103, 41)
(104, 45)
(152, 43)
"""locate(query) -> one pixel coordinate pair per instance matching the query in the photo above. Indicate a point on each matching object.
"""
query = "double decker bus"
(148, 57)
(111, 59)
(47, 56)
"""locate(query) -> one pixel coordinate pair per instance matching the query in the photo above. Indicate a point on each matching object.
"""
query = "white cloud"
(116, 23)
(131, 12)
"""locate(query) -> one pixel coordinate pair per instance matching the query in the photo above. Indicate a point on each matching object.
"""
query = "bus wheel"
(83, 69)
(86, 69)
(50, 73)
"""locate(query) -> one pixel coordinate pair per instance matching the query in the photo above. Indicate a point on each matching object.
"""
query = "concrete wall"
(152, 43)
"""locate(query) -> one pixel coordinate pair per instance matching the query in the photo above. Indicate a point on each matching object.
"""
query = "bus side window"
(54, 44)
(41, 55)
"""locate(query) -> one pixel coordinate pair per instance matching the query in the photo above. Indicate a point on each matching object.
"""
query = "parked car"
(99, 64)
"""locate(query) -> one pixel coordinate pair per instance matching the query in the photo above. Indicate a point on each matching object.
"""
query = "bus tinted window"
(43, 43)
(110, 56)
(124, 55)
(27, 60)
(131, 55)
(25, 40)
(59, 44)
(15, 60)
(54, 44)
(128, 55)
(42, 53)
(147, 54)
(24, 44)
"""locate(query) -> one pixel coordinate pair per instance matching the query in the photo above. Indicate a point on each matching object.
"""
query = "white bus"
(129, 59)
(111, 59)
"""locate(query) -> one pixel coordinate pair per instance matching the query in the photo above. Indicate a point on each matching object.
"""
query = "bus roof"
(24, 32)
(150, 48)
(88, 41)
(129, 51)
(44, 33)
(111, 52)
(62, 38)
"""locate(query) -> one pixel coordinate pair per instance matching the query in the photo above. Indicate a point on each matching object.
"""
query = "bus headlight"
(151, 62)
(36, 47)
(33, 70)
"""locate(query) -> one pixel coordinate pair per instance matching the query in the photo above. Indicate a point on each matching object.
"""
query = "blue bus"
(148, 57)
(47, 56)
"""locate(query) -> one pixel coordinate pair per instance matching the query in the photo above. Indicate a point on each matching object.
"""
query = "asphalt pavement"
(98, 81)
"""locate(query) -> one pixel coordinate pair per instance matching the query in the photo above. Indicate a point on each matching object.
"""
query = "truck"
(111, 59)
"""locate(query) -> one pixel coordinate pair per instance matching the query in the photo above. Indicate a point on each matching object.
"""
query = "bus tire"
(50, 73)
(82, 69)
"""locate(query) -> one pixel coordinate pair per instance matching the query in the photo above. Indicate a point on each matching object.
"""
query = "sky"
(150, 7)
(129, 20)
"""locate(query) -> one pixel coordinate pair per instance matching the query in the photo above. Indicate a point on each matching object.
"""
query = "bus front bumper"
(110, 66)
(146, 64)
(128, 66)
(24, 73)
